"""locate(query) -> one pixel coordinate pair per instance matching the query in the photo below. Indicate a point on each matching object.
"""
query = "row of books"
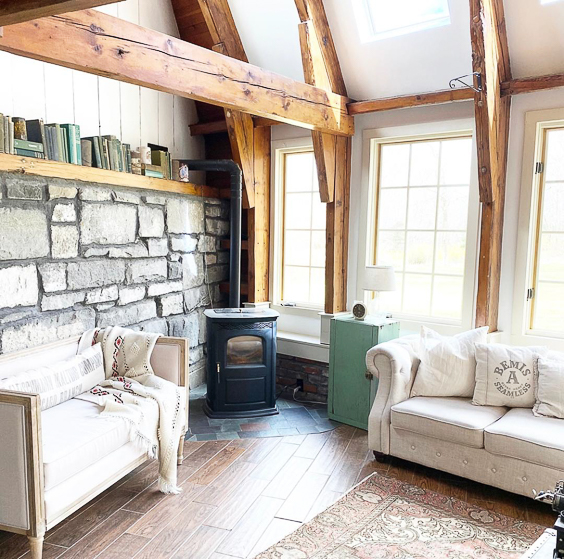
(62, 142)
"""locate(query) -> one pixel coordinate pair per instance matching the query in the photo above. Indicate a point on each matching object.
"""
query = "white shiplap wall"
(136, 115)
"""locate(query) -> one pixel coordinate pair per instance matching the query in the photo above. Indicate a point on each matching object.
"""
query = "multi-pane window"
(421, 226)
(547, 281)
(380, 19)
(303, 232)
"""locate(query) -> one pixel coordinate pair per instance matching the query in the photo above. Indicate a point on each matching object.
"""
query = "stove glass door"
(245, 350)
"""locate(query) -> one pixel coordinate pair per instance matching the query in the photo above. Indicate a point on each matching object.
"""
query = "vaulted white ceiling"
(413, 63)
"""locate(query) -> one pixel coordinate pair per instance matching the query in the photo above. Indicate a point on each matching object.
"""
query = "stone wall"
(314, 374)
(75, 255)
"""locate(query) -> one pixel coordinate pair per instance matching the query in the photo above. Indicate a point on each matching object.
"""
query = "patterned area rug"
(384, 518)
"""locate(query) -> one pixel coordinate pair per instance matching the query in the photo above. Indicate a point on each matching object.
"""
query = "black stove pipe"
(228, 166)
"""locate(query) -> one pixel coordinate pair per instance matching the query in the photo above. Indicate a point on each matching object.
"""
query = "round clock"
(359, 310)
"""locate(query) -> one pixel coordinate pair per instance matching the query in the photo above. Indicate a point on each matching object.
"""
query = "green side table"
(351, 388)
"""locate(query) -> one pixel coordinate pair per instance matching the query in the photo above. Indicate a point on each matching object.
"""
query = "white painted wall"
(136, 115)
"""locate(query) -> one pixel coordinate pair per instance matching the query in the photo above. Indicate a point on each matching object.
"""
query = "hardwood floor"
(239, 497)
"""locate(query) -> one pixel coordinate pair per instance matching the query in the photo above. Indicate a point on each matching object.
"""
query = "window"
(380, 19)
(421, 190)
(546, 279)
(300, 231)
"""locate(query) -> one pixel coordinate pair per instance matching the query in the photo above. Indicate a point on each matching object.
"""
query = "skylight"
(381, 19)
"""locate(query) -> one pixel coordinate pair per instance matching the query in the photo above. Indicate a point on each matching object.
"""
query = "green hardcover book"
(29, 153)
(1, 133)
(70, 143)
(36, 133)
(11, 148)
(30, 146)
(78, 144)
(155, 174)
(58, 151)
(65, 143)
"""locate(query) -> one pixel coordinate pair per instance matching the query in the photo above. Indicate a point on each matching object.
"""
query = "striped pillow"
(61, 381)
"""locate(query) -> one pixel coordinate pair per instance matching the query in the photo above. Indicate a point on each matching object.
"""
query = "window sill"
(302, 345)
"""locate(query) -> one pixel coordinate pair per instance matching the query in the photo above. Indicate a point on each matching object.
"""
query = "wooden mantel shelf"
(56, 169)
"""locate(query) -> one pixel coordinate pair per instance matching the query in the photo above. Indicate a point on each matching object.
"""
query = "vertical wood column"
(490, 58)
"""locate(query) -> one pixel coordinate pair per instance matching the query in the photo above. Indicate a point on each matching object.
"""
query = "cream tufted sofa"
(506, 448)
(53, 462)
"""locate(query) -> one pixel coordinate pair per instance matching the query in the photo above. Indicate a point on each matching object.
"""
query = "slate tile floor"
(294, 419)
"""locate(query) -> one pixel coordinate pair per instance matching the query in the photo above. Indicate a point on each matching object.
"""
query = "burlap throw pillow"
(504, 375)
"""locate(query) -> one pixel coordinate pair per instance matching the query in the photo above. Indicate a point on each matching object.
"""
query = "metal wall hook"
(452, 84)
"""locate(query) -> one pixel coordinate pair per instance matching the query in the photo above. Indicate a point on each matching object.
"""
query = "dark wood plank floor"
(239, 497)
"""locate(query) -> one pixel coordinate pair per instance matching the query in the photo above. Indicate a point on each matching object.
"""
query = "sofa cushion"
(75, 437)
(448, 419)
(521, 435)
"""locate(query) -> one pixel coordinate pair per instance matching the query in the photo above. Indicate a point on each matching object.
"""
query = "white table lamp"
(379, 278)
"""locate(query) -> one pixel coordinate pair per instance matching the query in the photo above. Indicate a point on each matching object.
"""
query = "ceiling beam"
(408, 101)
(332, 154)
(18, 11)
(94, 42)
(528, 85)
(490, 58)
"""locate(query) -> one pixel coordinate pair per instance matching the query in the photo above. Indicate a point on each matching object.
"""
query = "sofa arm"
(393, 364)
(21, 464)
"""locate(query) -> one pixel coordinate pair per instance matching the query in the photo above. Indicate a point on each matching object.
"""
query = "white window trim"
(429, 130)
(299, 328)
(535, 124)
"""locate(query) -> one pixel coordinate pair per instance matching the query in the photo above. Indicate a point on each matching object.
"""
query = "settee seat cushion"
(521, 435)
(448, 419)
(75, 437)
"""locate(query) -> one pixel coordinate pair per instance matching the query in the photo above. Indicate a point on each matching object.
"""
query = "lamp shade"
(379, 278)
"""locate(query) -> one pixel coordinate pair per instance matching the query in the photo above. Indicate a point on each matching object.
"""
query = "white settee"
(53, 462)
(506, 448)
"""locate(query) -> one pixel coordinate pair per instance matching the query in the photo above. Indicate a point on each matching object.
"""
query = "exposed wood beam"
(204, 128)
(407, 101)
(18, 11)
(490, 58)
(94, 42)
(527, 85)
(332, 154)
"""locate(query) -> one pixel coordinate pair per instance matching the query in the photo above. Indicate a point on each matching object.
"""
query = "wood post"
(490, 57)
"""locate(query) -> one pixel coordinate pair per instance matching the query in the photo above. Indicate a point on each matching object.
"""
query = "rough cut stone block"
(53, 277)
(207, 243)
(184, 216)
(102, 295)
(211, 259)
(183, 244)
(158, 200)
(19, 286)
(64, 241)
(125, 316)
(164, 288)
(157, 247)
(95, 273)
(171, 304)
(185, 327)
(46, 329)
(64, 213)
(151, 222)
(156, 326)
(23, 234)
(217, 273)
(174, 270)
(217, 211)
(196, 297)
(95, 194)
(174, 257)
(138, 250)
(108, 224)
(196, 355)
(223, 257)
(192, 270)
(217, 226)
(16, 316)
(142, 271)
(19, 188)
(62, 301)
(56, 191)
(126, 197)
(203, 329)
(131, 295)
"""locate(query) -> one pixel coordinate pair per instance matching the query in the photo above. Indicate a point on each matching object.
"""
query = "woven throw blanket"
(152, 407)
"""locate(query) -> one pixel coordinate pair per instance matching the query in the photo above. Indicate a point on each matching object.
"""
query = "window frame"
(537, 123)
(280, 148)
(367, 245)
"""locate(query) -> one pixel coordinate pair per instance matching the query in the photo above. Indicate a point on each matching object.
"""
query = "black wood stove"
(241, 363)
